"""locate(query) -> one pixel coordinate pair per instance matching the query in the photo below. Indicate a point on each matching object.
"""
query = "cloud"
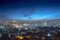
(27, 12)
(4, 17)
(57, 16)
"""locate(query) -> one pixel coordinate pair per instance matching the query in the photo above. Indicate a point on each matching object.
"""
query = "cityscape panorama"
(29, 19)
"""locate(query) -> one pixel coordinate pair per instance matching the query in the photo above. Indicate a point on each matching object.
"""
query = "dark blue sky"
(29, 9)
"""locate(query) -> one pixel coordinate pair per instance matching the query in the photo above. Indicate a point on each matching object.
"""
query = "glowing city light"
(48, 34)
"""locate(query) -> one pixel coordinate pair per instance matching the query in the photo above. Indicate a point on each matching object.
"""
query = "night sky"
(29, 9)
